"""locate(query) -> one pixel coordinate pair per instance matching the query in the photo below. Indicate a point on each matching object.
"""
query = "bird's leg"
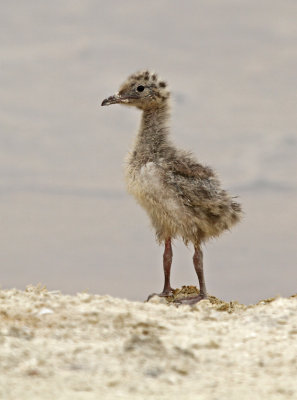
(167, 261)
(198, 264)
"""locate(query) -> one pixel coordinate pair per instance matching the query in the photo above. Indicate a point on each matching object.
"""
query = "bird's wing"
(195, 184)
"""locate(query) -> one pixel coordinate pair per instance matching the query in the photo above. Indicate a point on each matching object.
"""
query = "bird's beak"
(111, 100)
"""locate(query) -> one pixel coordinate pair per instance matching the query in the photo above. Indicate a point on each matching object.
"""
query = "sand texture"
(56, 346)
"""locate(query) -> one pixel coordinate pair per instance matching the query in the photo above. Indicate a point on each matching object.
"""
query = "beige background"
(65, 218)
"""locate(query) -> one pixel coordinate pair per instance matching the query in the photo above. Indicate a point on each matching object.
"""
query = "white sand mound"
(97, 347)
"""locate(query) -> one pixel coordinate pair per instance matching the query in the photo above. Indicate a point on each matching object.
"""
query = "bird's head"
(143, 90)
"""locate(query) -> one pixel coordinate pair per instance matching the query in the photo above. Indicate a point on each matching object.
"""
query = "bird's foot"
(191, 300)
(165, 293)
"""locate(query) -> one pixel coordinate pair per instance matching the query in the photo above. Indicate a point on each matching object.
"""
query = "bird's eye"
(140, 88)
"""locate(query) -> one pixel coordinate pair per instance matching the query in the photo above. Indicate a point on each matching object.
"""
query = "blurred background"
(65, 218)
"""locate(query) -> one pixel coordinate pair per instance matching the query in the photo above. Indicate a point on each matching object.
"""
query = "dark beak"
(111, 100)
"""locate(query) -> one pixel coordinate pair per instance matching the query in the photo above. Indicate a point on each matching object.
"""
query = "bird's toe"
(166, 293)
(191, 300)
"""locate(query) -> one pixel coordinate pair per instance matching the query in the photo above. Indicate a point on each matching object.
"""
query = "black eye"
(140, 88)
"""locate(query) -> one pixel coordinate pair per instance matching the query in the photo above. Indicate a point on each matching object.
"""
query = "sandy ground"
(56, 346)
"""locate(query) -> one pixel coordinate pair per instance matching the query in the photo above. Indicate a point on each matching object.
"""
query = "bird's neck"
(152, 137)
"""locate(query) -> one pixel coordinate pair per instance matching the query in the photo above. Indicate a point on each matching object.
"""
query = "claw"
(163, 294)
(191, 300)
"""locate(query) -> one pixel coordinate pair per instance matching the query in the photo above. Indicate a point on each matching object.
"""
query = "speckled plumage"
(182, 197)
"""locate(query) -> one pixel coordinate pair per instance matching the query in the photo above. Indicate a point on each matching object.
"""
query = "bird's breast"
(144, 181)
(146, 184)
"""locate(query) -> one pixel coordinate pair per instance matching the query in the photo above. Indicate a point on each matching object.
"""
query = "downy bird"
(181, 197)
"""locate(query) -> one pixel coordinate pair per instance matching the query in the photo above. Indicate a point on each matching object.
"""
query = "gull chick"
(181, 197)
